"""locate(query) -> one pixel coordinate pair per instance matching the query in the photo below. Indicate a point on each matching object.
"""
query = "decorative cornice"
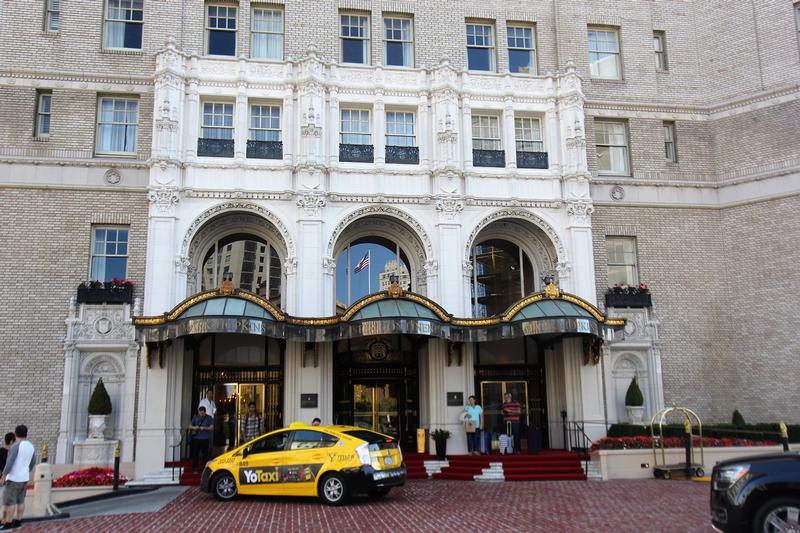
(238, 195)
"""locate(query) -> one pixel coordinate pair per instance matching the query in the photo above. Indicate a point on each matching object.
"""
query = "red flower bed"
(640, 443)
(89, 477)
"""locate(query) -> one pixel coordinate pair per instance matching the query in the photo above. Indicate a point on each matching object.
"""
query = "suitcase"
(486, 442)
(534, 440)
(507, 441)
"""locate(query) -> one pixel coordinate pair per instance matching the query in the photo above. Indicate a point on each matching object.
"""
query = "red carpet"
(550, 465)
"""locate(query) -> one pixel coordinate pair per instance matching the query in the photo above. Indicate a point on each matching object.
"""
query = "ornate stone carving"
(466, 267)
(329, 265)
(182, 264)
(617, 193)
(102, 323)
(310, 126)
(447, 131)
(112, 176)
(290, 266)
(449, 207)
(431, 267)
(311, 203)
(580, 211)
(164, 199)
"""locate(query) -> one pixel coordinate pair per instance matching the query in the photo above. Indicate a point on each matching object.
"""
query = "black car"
(757, 494)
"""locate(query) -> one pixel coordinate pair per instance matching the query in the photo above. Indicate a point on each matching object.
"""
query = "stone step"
(434, 467)
(163, 477)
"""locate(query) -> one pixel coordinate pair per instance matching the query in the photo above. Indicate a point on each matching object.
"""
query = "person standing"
(16, 474)
(512, 410)
(252, 424)
(474, 423)
(9, 440)
(202, 429)
(208, 403)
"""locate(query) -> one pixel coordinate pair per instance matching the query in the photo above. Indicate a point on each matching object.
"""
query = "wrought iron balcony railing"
(488, 158)
(404, 155)
(356, 153)
(264, 150)
(215, 147)
(532, 160)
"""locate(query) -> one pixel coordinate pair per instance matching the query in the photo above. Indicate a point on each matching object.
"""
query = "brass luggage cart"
(690, 467)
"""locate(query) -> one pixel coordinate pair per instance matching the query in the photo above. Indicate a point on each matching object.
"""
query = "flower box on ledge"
(625, 296)
(109, 292)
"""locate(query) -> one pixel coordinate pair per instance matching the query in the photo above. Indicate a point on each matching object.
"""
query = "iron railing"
(264, 149)
(488, 158)
(215, 147)
(356, 153)
(404, 155)
(576, 440)
(532, 160)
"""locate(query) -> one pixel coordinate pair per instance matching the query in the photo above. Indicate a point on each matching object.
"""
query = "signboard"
(455, 399)
(308, 401)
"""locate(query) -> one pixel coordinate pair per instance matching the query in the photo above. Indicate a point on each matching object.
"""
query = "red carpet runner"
(549, 465)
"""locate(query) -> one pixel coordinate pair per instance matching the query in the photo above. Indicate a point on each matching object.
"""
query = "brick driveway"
(551, 506)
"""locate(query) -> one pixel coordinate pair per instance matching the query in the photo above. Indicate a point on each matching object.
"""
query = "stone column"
(241, 120)
(424, 137)
(466, 131)
(151, 438)
(191, 130)
(509, 133)
(161, 246)
(379, 130)
(450, 295)
(289, 125)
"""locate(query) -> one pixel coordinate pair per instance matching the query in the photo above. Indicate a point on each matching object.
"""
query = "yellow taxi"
(332, 462)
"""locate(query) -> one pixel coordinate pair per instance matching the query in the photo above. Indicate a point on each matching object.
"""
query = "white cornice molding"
(73, 81)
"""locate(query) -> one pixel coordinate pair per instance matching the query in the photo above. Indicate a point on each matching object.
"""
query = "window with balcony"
(660, 47)
(611, 144)
(401, 138)
(670, 145)
(398, 42)
(264, 141)
(622, 262)
(117, 123)
(109, 253)
(355, 142)
(123, 24)
(487, 144)
(521, 50)
(216, 134)
(480, 47)
(529, 143)
(42, 123)
(266, 38)
(604, 55)
(220, 30)
(354, 36)
(52, 15)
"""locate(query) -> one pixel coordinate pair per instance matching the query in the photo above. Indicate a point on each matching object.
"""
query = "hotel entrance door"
(492, 397)
(375, 407)
(232, 400)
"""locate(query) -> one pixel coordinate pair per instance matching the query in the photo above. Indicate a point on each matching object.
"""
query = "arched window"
(501, 275)
(254, 263)
(366, 265)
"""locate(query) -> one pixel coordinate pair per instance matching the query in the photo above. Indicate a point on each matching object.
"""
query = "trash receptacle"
(422, 441)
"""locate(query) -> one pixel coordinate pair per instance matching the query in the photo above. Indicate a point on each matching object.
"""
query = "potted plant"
(624, 295)
(99, 409)
(114, 291)
(440, 437)
(634, 402)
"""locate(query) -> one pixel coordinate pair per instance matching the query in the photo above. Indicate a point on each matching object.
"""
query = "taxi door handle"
(317, 456)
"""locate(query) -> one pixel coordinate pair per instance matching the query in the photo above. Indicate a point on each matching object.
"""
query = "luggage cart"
(690, 468)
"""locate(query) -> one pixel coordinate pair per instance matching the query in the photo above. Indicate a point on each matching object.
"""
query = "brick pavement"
(441, 506)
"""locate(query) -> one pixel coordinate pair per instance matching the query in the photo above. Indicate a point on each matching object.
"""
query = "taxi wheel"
(333, 489)
(379, 493)
(224, 486)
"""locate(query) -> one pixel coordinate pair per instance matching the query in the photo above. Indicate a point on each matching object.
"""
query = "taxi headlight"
(363, 454)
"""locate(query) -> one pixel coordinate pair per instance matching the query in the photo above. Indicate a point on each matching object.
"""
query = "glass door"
(492, 394)
(248, 392)
(375, 407)
(231, 400)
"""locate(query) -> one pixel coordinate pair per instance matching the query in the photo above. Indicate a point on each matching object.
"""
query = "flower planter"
(623, 299)
(97, 427)
(102, 295)
(635, 413)
(441, 449)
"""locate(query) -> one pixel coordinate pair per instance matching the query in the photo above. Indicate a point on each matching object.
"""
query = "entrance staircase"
(183, 472)
(549, 465)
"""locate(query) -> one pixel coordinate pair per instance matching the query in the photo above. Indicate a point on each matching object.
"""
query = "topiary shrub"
(100, 402)
(737, 419)
(634, 396)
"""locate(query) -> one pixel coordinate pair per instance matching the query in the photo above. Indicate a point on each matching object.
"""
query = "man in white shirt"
(208, 403)
(15, 478)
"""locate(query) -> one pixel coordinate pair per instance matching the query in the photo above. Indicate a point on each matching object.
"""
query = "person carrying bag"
(473, 422)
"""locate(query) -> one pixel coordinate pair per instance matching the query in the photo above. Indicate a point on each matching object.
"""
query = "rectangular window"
(521, 50)
(528, 134)
(604, 58)
(267, 34)
(221, 30)
(398, 42)
(117, 122)
(480, 47)
(43, 100)
(486, 133)
(400, 128)
(355, 126)
(265, 123)
(52, 15)
(670, 146)
(217, 120)
(622, 267)
(354, 34)
(109, 253)
(123, 25)
(660, 47)
(611, 140)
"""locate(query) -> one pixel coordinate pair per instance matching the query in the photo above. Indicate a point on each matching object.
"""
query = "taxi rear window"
(373, 438)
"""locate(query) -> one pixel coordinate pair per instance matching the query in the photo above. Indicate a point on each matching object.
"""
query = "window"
(528, 134)
(355, 127)
(305, 439)
(622, 267)
(116, 125)
(797, 16)
(480, 47)
(660, 46)
(217, 120)
(400, 128)
(367, 265)
(124, 21)
(109, 253)
(501, 275)
(670, 150)
(52, 15)
(267, 34)
(521, 50)
(354, 33)
(604, 53)
(271, 443)
(241, 255)
(265, 123)
(611, 140)
(221, 31)
(398, 42)
(43, 99)
(486, 133)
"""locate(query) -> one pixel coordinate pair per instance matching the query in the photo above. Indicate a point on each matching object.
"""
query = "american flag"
(364, 263)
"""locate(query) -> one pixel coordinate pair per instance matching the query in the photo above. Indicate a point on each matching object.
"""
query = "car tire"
(377, 494)
(333, 489)
(223, 485)
(777, 509)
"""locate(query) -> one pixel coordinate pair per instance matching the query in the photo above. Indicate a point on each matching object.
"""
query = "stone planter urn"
(635, 414)
(97, 427)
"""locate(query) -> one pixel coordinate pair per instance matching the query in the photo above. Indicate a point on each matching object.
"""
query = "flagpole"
(347, 271)
(369, 272)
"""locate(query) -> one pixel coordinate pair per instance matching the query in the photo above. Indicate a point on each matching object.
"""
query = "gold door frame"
(503, 389)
